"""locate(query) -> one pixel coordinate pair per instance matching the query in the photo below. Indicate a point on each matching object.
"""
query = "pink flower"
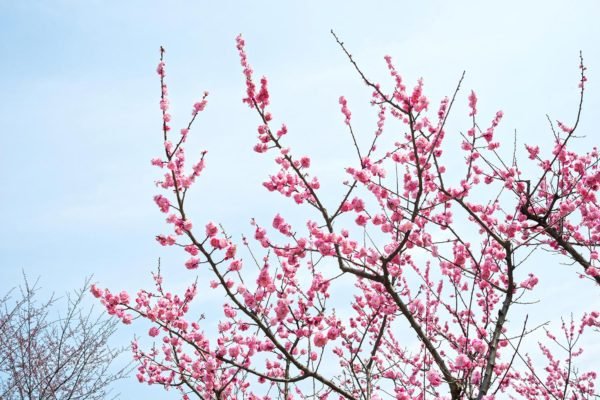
(192, 263)
(160, 69)
(479, 346)
(281, 310)
(162, 202)
(230, 253)
(472, 104)
(305, 162)
(530, 282)
(434, 378)
(234, 351)
(333, 333)
(218, 243)
(199, 107)
(250, 87)
(157, 162)
(211, 229)
(262, 98)
(320, 340)
(96, 292)
(345, 109)
(358, 204)
(282, 131)
(264, 279)
(229, 311)
(462, 362)
(165, 240)
(405, 226)
(362, 220)
(533, 151)
(235, 265)
(192, 249)
(277, 221)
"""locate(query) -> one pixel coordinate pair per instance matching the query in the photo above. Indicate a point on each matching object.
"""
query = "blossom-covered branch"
(436, 260)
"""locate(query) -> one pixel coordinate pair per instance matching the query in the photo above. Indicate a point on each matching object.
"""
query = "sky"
(80, 115)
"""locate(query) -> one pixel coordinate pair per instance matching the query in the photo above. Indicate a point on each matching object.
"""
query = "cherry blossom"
(402, 288)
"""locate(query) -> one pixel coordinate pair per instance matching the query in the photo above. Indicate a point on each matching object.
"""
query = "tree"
(437, 260)
(47, 357)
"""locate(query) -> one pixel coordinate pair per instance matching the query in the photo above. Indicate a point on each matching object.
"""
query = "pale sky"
(81, 120)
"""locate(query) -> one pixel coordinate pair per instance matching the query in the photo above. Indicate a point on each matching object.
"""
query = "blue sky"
(80, 114)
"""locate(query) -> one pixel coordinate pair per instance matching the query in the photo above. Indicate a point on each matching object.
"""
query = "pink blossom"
(479, 346)
(218, 243)
(530, 282)
(235, 265)
(264, 279)
(211, 229)
(97, 292)
(434, 378)
(305, 162)
(162, 202)
(345, 110)
(362, 220)
(192, 249)
(192, 263)
(472, 104)
(165, 240)
(320, 340)
(462, 362)
(533, 151)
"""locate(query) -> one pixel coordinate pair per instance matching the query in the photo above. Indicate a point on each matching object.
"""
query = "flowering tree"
(54, 357)
(436, 259)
